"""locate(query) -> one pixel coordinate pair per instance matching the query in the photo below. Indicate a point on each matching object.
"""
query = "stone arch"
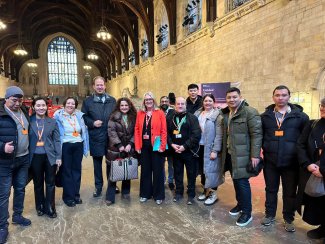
(161, 18)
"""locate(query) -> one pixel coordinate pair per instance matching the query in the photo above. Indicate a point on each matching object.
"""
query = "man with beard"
(169, 111)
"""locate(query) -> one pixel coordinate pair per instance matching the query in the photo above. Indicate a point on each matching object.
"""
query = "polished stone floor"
(129, 221)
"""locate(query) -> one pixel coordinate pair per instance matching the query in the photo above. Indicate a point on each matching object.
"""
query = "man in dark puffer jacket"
(282, 124)
(14, 159)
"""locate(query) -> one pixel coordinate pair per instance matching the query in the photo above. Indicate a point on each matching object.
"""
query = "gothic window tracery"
(62, 62)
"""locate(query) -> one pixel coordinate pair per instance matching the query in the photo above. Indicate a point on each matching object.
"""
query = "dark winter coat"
(190, 131)
(119, 135)
(308, 154)
(281, 150)
(8, 132)
(94, 109)
(245, 138)
(193, 107)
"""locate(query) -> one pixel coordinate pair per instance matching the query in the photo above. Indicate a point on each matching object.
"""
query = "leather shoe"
(97, 192)
(78, 201)
(108, 202)
(3, 235)
(39, 212)
(70, 203)
(20, 220)
(52, 214)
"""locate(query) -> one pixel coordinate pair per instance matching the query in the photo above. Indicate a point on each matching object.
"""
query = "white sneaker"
(159, 202)
(212, 198)
(202, 197)
(143, 199)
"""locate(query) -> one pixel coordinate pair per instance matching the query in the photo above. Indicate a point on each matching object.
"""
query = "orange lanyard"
(73, 125)
(21, 120)
(278, 122)
(40, 134)
(148, 117)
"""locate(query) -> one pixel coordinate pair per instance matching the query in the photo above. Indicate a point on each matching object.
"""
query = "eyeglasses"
(321, 106)
(148, 99)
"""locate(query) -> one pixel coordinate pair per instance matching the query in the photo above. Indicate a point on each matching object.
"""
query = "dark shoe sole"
(15, 223)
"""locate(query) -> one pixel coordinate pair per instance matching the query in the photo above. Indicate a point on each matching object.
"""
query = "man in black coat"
(282, 124)
(14, 158)
(97, 109)
(183, 136)
(194, 101)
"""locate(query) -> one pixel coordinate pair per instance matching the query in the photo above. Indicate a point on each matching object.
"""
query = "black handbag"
(123, 169)
(255, 170)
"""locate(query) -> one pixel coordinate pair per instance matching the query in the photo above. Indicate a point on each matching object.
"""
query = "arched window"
(193, 16)
(62, 62)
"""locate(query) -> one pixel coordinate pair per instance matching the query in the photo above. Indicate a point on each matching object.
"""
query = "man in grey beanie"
(14, 160)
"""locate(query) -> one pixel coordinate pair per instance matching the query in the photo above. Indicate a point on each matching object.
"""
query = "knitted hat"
(14, 91)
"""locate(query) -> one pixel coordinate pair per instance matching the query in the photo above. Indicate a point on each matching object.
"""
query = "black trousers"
(72, 154)
(42, 169)
(289, 178)
(201, 165)
(111, 186)
(152, 174)
(189, 161)
(98, 172)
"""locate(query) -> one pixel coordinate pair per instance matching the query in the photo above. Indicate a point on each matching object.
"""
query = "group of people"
(191, 133)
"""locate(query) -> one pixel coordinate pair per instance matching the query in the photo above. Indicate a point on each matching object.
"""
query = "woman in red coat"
(150, 137)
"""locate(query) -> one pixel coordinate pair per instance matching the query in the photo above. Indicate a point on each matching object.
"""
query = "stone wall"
(261, 44)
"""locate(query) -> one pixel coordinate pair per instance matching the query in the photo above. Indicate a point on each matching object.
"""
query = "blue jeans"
(243, 195)
(15, 176)
(242, 190)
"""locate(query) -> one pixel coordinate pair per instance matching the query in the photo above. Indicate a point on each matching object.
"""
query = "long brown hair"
(132, 113)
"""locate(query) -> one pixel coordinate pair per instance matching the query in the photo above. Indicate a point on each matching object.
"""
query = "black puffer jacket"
(119, 135)
(93, 110)
(281, 150)
(8, 132)
(192, 107)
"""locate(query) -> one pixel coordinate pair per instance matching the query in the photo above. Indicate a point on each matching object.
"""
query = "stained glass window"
(62, 62)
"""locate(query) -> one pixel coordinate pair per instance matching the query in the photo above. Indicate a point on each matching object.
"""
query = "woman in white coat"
(210, 147)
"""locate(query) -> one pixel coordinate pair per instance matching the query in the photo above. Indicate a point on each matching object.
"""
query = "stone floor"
(135, 222)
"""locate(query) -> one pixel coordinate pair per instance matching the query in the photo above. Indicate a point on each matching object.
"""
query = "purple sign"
(218, 90)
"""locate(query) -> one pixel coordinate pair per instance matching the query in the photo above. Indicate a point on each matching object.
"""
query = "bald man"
(184, 134)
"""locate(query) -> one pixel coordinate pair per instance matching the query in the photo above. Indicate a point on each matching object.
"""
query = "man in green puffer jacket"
(242, 141)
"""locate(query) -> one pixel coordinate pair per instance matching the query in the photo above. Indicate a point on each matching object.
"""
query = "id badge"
(279, 133)
(175, 132)
(75, 134)
(146, 137)
(40, 144)
(24, 132)
(178, 136)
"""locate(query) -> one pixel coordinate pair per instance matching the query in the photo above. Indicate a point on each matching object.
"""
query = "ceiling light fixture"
(32, 65)
(87, 67)
(20, 50)
(103, 32)
(92, 55)
(2, 25)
